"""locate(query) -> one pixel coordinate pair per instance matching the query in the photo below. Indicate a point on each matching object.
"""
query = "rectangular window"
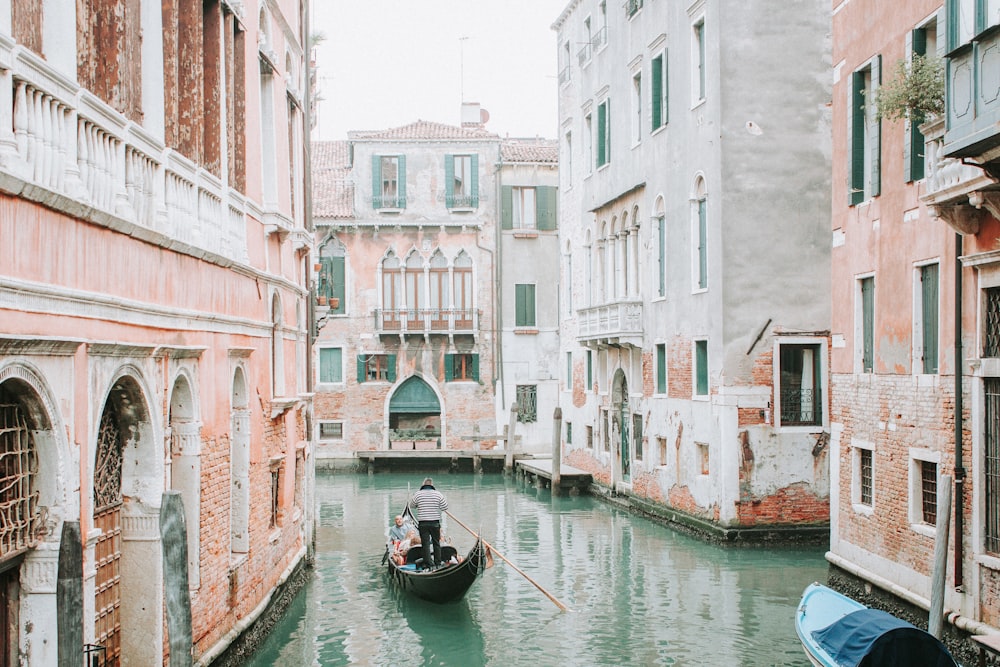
(583, 55)
(527, 403)
(603, 133)
(388, 181)
(528, 208)
(866, 476)
(569, 370)
(331, 364)
(275, 496)
(632, 7)
(459, 367)
(567, 160)
(923, 43)
(698, 76)
(588, 137)
(867, 328)
(926, 336)
(569, 433)
(658, 91)
(524, 208)
(524, 305)
(661, 368)
(661, 446)
(701, 368)
(702, 457)
(865, 133)
(590, 370)
(702, 257)
(661, 256)
(991, 324)
(991, 464)
(606, 430)
(637, 107)
(461, 174)
(637, 436)
(376, 368)
(590, 437)
(331, 431)
(800, 395)
(928, 492)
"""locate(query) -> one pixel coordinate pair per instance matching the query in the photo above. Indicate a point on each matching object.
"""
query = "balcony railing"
(618, 323)
(60, 139)
(421, 321)
(583, 55)
(600, 38)
(461, 201)
(388, 201)
(564, 75)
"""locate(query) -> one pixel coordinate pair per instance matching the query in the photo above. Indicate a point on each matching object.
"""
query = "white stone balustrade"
(620, 321)
(948, 180)
(59, 140)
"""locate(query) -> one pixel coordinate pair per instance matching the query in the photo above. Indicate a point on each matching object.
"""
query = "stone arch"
(439, 289)
(414, 407)
(239, 461)
(185, 465)
(127, 486)
(391, 288)
(35, 473)
(621, 421)
(277, 346)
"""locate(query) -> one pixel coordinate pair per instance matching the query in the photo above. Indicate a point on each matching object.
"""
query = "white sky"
(386, 63)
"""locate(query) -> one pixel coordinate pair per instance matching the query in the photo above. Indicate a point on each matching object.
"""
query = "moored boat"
(447, 583)
(837, 631)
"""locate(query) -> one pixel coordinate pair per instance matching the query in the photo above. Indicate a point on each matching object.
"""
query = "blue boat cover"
(870, 637)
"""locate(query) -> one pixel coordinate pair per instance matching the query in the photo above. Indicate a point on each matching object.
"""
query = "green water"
(639, 593)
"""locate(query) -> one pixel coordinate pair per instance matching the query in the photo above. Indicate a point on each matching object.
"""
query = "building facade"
(694, 199)
(410, 223)
(914, 300)
(152, 293)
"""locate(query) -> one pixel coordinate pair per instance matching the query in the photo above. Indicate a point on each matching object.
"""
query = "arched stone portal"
(415, 413)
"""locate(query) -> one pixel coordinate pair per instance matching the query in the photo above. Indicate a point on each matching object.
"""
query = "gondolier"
(429, 504)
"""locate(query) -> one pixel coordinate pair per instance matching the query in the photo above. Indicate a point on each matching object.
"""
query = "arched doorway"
(414, 414)
(185, 467)
(622, 419)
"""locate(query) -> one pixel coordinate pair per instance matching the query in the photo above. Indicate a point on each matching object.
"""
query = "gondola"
(445, 584)
(837, 631)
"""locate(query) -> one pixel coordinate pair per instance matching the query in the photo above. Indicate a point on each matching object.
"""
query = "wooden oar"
(504, 559)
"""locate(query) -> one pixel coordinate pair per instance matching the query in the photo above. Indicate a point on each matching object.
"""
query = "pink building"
(152, 280)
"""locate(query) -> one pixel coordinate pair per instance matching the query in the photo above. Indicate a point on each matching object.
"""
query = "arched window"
(440, 295)
(464, 299)
(416, 294)
(699, 234)
(392, 291)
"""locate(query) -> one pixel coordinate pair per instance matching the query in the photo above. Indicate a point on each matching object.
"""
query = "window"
(606, 430)
(866, 324)
(637, 107)
(590, 437)
(461, 367)
(276, 470)
(923, 43)
(567, 159)
(698, 75)
(632, 7)
(331, 366)
(601, 37)
(925, 334)
(330, 283)
(569, 370)
(658, 92)
(564, 71)
(701, 368)
(569, 433)
(928, 492)
(331, 431)
(661, 368)
(661, 256)
(527, 403)
(528, 208)
(637, 436)
(967, 18)
(661, 446)
(465, 309)
(388, 181)
(800, 388)
(376, 368)
(524, 305)
(461, 176)
(702, 448)
(603, 133)
(702, 249)
(588, 137)
(865, 134)
(583, 55)
(865, 476)
(590, 370)
(991, 315)
(991, 464)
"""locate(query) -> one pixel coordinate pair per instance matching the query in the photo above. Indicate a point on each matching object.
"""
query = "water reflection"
(641, 594)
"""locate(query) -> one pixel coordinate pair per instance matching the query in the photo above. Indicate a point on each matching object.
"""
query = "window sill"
(274, 536)
(389, 211)
(329, 441)
(462, 209)
(698, 103)
(799, 428)
(924, 529)
(525, 331)
(329, 386)
(662, 128)
(700, 397)
(863, 510)
(699, 290)
(525, 235)
(988, 561)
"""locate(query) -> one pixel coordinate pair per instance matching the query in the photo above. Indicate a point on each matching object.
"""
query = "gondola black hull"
(446, 584)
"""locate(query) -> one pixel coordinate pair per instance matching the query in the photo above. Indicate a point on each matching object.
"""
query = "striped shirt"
(429, 504)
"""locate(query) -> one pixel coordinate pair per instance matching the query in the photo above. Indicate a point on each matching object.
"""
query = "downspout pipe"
(959, 427)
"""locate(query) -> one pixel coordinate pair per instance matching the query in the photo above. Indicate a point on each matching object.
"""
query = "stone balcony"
(427, 322)
(63, 147)
(611, 325)
(956, 190)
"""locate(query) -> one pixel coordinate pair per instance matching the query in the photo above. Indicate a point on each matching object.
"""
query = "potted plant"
(915, 91)
(321, 300)
(334, 302)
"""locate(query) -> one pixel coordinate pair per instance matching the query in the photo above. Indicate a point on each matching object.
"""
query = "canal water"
(639, 593)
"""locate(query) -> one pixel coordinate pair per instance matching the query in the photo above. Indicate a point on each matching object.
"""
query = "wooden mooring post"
(556, 450)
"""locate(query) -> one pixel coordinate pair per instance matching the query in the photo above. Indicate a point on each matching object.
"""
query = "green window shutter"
(665, 111)
(876, 147)
(506, 207)
(519, 310)
(449, 367)
(546, 201)
(449, 181)
(913, 161)
(663, 256)
(338, 274)
(929, 316)
(602, 129)
(702, 245)
(376, 181)
(867, 324)
(656, 91)
(390, 360)
(401, 176)
(475, 367)
(942, 36)
(856, 180)
(361, 368)
(590, 370)
(701, 367)
(530, 304)
(661, 368)
(474, 185)
(330, 365)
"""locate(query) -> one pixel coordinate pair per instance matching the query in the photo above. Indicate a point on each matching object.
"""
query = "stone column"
(186, 477)
(141, 585)
(38, 627)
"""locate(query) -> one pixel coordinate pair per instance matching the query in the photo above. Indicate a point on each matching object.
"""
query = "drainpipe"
(959, 467)
(498, 285)
(310, 482)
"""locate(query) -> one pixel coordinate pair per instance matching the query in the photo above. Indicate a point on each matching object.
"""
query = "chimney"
(473, 116)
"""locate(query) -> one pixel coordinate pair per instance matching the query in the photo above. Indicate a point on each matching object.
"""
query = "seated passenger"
(411, 540)
(397, 532)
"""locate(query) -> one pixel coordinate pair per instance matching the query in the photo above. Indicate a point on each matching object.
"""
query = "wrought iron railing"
(583, 55)
(388, 201)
